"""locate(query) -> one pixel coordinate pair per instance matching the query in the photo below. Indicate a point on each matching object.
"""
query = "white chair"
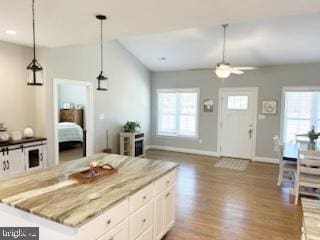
(287, 169)
(308, 175)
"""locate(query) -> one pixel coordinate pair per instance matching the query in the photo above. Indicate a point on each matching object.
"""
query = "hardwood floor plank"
(217, 203)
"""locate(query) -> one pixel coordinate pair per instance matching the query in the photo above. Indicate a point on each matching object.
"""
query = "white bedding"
(69, 132)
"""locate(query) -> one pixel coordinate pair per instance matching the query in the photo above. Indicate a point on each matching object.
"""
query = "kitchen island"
(137, 202)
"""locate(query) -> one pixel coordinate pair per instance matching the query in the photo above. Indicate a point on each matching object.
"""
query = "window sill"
(195, 138)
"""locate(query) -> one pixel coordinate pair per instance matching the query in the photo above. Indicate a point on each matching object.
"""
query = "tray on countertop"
(86, 176)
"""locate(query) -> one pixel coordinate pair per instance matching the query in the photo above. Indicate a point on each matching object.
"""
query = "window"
(238, 102)
(302, 111)
(178, 112)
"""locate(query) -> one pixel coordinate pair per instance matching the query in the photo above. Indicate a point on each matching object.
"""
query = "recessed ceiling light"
(11, 32)
(162, 58)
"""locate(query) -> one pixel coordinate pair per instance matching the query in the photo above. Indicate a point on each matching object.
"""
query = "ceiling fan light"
(223, 70)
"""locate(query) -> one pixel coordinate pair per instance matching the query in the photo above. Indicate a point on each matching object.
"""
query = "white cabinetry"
(164, 205)
(146, 215)
(21, 158)
(3, 163)
(120, 232)
(12, 162)
(169, 208)
(34, 157)
(141, 221)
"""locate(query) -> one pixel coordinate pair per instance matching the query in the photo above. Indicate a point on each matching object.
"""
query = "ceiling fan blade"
(245, 68)
(199, 69)
(236, 71)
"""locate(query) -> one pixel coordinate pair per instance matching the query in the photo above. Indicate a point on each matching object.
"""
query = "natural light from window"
(302, 111)
(238, 102)
(178, 112)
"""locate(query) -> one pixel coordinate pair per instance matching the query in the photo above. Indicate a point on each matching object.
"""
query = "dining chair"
(287, 169)
(308, 175)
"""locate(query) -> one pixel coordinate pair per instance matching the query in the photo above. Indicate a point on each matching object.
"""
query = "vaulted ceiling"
(66, 22)
(285, 40)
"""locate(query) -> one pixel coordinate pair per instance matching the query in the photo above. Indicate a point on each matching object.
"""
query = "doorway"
(73, 119)
(237, 122)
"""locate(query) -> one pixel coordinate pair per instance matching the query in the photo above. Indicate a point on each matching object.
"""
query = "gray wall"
(128, 97)
(73, 94)
(269, 80)
(17, 100)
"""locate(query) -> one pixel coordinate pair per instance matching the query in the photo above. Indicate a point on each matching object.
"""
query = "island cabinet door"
(170, 208)
(120, 232)
(164, 212)
(159, 217)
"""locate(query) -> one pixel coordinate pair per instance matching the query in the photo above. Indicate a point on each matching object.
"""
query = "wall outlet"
(200, 141)
(101, 116)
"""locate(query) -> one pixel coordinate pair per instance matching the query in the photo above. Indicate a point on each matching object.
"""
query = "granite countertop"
(311, 218)
(51, 194)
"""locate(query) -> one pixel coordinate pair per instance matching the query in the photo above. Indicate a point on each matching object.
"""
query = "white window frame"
(283, 126)
(177, 90)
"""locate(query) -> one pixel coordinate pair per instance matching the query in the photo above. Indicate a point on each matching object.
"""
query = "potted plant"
(131, 126)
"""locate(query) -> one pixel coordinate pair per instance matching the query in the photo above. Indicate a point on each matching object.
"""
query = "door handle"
(8, 165)
(4, 165)
(250, 133)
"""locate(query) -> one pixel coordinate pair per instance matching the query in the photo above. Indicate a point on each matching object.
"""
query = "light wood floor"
(215, 203)
(70, 154)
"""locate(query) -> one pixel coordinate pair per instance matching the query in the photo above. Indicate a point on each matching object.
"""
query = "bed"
(70, 132)
(70, 129)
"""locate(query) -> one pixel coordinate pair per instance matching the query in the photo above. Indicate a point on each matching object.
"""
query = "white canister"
(4, 137)
(16, 135)
(28, 133)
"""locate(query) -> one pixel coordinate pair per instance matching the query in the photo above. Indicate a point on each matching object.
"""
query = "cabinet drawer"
(141, 198)
(141, 221)
(147, 235)
(104, 222)
(164, 182)
(120, 232)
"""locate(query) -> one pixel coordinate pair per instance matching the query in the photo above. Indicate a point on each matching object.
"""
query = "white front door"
(237, 122)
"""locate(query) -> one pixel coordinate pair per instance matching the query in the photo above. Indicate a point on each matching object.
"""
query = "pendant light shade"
(102, 80)
(35, 71)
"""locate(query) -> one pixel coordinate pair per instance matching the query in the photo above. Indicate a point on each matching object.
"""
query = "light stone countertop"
(311, 218)
(51, 194)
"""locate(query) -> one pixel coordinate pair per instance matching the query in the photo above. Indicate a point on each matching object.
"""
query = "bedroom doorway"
(73, 120)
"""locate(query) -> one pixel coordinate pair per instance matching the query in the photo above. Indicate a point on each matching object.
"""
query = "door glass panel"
(238, 102)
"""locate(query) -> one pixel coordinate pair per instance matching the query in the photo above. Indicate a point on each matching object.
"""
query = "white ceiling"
(286, 40)
(65, 22)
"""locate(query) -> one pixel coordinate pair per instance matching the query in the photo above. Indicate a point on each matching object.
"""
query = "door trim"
(255, 90)
(88, 112)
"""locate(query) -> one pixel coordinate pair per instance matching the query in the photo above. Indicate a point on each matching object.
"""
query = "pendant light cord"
(101, 46)
(224, 41)
(34, 32)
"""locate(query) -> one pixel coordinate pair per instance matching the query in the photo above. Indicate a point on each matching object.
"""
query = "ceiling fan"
(224, 69)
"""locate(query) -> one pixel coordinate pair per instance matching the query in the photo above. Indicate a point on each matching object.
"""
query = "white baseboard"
(266, 160)
(182, 150)
(206, 153)
(147, 147)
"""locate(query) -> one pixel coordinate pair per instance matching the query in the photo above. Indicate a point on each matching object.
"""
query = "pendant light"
(223, 69)
(102, 80)
(35, 71)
